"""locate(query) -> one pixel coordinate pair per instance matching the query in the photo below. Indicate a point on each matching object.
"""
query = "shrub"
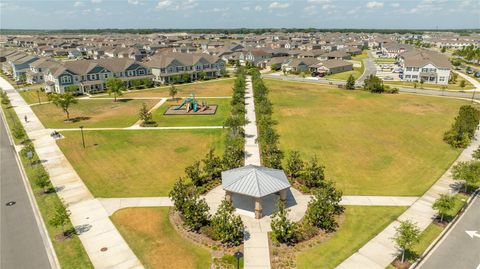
(324, 206)
(314, 173)
(463, 129)
(195, 212)
(294, 164)
(283, 229)
(228, 227)
(41, 179)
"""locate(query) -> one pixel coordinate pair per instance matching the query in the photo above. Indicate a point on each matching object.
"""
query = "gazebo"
(257, 182)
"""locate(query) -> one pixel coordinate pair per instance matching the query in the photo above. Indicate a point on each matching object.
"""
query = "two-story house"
(426, 66)
(91, 75)
(168, 66)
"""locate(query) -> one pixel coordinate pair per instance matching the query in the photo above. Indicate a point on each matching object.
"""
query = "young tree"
(172, 91)
(294, 164)
(350, 83)
(324, 206)
(227, 226)
(63, 101)
(314, 173)
(4, 96)
(195, 212)
(443, 50)
(476, 154)
(60, 217)
(224, 73)
(462, 84)
(407, 234)
(443, 204)
(185, 77)
(421, 83)
(145, 115)
(115, 86)
(201, 75)
(194, 173)
(212, 165)
(179, 194)
(373, 84)
(283, 229)
(468, 172)
(42, 180)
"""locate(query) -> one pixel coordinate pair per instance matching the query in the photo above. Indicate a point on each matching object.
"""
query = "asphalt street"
(21, 246)
(459, 250)
(370, 69)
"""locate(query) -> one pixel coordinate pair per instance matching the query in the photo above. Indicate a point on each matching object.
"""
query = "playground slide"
(180, 106)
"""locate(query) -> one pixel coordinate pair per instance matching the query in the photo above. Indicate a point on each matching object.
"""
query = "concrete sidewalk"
(88, 216)
(474, 82)
(380, 251)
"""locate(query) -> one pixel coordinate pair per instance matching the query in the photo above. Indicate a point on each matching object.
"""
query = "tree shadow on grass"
(78, 119)
(124, 100)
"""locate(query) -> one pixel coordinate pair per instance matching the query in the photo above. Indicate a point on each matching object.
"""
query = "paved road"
(370, 69)
(21, 244)
(458, 250)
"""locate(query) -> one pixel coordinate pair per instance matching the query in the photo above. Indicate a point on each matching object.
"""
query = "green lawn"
(217, 119)
(456, 86)
(136, 163)
(93, 113)
(153, 239)
(31, 96)
(385, 60)
(219, 87)
(371, 144)
(361, 56)
(12, 120)
(356, 72)
(361, 224)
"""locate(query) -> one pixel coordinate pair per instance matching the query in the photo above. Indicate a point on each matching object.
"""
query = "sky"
(163, 14)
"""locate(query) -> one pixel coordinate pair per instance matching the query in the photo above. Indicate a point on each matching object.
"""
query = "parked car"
(477, 75)
(469, 72)
(387, 78)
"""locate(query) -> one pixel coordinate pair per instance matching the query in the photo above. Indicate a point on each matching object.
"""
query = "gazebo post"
(283, 196)
(228, 196)
(258, 208)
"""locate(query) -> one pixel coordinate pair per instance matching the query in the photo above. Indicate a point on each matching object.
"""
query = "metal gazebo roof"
(255, 181)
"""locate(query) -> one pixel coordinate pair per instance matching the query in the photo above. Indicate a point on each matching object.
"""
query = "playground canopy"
(255, 181)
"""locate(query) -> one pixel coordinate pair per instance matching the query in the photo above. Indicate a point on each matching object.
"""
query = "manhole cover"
(103, 249)
(10, 203)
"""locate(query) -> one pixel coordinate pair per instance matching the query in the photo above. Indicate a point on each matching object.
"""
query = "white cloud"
(220, 9)
(96, 1)
(258, 8)
(375, 4)
(163, 4)
(98, 9)
(353, 11)
(328, 6)
(78, 4)
(246, 8)
(319, 1)
(395, 4)
(274, 5)
(134, 2)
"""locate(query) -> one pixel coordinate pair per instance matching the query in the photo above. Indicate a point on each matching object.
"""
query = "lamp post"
(238, 255)
(83, 139)
(473, 95)
(38, 96)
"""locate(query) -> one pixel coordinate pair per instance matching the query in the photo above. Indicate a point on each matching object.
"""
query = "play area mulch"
(210, 110)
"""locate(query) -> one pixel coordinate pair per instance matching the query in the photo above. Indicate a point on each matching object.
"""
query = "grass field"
(31, 96)
(136, 163)
(456, 86)
(217, 119)
(356, 72)
(220, 87)
(361, 56)
(360, 225)
(370, 144)
(155, 242)
(385, 60)
(92, 113)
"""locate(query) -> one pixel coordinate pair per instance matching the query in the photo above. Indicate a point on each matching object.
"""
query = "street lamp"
(473, 95)
(38, 96)
(238, 255)
(83, 139)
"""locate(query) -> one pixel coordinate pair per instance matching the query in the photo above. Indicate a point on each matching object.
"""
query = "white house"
(427, 66)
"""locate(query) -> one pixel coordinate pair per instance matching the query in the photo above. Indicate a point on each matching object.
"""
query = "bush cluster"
(267, 136)
(463, 129)
(141, 83)
(374, 84)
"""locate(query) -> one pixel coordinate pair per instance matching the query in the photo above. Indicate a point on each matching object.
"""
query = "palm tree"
(115, 86)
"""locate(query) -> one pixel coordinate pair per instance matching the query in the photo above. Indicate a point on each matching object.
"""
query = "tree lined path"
(88, 216)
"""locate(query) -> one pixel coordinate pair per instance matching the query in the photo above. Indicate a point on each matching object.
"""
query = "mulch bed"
(217, 250)
(284, 256)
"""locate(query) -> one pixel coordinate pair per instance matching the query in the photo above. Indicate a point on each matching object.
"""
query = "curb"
(52, 255)
(445, 231)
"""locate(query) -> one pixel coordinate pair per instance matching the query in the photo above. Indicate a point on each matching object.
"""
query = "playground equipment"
(191, 103)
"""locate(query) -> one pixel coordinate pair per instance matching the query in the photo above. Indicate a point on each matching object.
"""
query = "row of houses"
(89, 76)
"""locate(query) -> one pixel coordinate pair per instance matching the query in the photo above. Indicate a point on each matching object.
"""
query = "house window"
(105, 75)
(407, 76)
(141, 72)
(414, 76)
(441, 79)
(409, 69)
(65, 79)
